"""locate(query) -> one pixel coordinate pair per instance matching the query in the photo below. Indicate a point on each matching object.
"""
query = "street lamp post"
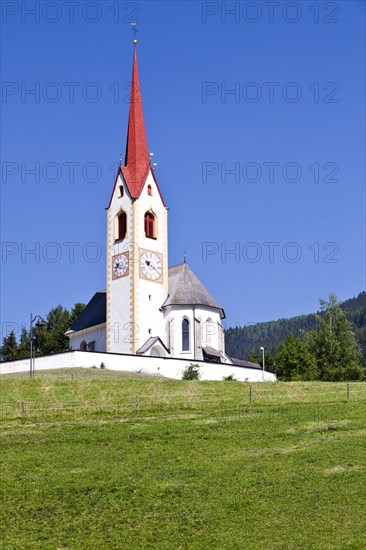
(38, 324)
(262, 350)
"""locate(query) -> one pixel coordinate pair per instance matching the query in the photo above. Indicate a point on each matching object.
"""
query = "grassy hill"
(97, 459)
(239, 341)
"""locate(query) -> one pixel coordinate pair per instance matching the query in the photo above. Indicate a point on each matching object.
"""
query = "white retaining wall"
(171, 368)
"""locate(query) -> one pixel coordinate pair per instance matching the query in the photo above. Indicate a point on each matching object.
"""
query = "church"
(147, 309)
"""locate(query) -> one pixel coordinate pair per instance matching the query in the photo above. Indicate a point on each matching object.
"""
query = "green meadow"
(95, 459)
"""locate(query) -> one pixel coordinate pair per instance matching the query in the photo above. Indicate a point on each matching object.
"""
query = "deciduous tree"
(334, 345)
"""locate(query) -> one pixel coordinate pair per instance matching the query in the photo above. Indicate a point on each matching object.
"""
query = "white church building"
(147, 309)
(151, 318)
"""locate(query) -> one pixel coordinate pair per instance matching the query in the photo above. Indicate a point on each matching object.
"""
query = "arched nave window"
(210, 330)
(185, 335)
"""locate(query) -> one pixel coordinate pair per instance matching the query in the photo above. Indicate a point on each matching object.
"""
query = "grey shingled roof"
(93, 314)
(211, 351)
(242, 363)
(185, 288)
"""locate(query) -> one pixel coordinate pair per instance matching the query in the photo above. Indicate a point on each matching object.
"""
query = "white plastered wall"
(150, 295)
(95, 334)
(119, 314)
(171, 368)
(207, 333)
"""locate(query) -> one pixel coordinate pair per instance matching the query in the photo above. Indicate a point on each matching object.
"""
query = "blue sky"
(257, 123)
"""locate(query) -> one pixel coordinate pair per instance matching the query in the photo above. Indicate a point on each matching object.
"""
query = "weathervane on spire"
(134, 30)
(185, 257)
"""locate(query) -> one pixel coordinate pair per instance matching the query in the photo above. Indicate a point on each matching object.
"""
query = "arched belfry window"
(149, 190)
(121, 226)
(185, 335)
(150, 225)
(121, 191)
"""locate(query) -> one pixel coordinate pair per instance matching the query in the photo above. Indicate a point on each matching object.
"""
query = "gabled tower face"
(137, 243)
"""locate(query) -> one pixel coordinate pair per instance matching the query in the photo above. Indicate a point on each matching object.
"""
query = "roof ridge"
(176, 265)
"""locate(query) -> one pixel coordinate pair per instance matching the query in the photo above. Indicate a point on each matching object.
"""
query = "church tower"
(137, 242)
(146, 309)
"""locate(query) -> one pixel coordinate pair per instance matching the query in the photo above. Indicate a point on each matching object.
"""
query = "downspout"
(194, 333)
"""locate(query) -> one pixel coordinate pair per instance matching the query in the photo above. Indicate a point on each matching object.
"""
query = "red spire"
(137, 161)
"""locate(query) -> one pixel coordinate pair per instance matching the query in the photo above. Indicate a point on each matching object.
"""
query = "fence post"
(348, 393)
(250, 395)
(137, 404)
(23, 411)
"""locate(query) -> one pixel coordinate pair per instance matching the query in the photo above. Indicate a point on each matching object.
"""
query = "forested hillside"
(240, 341)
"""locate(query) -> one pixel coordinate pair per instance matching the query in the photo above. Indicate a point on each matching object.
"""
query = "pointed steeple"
(137, 160)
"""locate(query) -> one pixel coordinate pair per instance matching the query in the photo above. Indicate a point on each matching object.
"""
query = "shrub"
(229, 378)
(192, 372)
(354, 373)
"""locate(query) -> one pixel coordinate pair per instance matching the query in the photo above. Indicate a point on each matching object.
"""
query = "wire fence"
(253, 403)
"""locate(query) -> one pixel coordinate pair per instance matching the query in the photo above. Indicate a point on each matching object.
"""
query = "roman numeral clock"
(151, 265)
(120, 265)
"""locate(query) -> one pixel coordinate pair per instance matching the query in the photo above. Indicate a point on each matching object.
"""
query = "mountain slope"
(239, 341)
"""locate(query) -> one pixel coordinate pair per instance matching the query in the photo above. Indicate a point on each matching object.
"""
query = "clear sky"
(255, 113)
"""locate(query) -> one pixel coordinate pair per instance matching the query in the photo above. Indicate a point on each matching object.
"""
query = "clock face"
(151, 265)
(120, 265)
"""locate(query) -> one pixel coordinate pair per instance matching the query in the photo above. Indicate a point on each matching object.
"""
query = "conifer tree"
(48, 339)
(24, 344)
(253, 356)
(9, 349)
(58, 321)
(294, 361)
